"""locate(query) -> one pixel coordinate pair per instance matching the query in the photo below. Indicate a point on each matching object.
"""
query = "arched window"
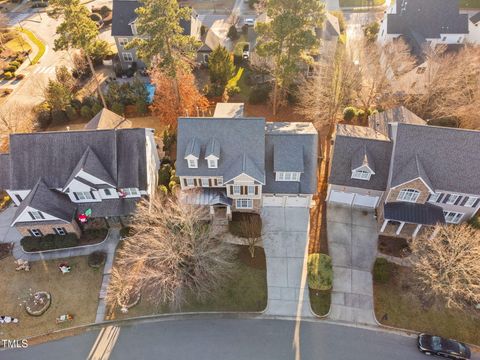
(409, 195)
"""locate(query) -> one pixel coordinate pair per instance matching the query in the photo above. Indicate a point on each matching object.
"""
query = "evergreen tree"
(220, 67)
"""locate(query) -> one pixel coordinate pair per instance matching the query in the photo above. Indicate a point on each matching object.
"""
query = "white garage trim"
(353, 199)
(341, 197)
(279, 200)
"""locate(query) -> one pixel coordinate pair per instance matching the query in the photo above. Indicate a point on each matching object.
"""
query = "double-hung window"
(244, 203)
(36, 215)
(452, 217)
(192, 163)
(205, 182)
(452, 199)
(36, 232)
(251, 190)
(131, 191)
(434, 197)
(212, 163)
(127, 57)
(237, 189)
(408, 195)
(190, 182)
(287, 176)
(83, 195)
(60, 231)
(471, 201)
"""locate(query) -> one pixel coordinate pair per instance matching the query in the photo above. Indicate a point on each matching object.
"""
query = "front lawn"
(245, 225)
(360, 3)
(470, 4)
(75, 293)
(246, 291)
(320, 301)
(398, 304)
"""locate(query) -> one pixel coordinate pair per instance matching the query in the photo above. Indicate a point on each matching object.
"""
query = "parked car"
(246, 52)
(249, 21)
(448, 348)
(39, 4)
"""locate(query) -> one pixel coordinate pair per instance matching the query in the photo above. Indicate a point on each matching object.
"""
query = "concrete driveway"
(352, 244)
(286, 245)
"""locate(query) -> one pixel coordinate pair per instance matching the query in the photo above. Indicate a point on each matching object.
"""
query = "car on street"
(439, 346)
(246, 52)
(249, 21)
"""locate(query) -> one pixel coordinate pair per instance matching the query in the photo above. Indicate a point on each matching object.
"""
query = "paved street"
(352, 244)
(285, 244)
(229, 339)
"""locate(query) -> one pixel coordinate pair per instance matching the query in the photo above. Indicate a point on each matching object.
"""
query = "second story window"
(131, 192)
(287, 176)
(361, 174)
(237, 189)
(452, 199)
(434, 197)
(212, 163)
(471, 201)
(83, 195)
(408, 195)
(36, 215)
(123, 41)
(192, 163)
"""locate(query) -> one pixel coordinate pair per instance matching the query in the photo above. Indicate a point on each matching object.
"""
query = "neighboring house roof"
(426, 214)
(475, 19)
(346, 150)
(123, 14)
(363, 157)
(51, 202)
(411, 170)
(331, 27)
(291, 146)
(109, 207)
(241, 140)
(380, 120)
(4, 171)
(360, 131)
(205, 197)
(217, 36)
(229, 110)
(53, 156)
(448, 156)
(106, 119)
(427, 18)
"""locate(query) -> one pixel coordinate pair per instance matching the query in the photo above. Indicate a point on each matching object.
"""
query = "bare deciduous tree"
(446, 262)
(251, 229)
(170, 254)
(11, 122)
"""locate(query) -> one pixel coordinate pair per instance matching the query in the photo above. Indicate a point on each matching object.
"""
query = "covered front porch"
(219, 205)
(409, 220)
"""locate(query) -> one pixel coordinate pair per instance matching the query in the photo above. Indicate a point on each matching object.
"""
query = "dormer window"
(361, 174)
(192, 163)
(287, 176)
(212, 163)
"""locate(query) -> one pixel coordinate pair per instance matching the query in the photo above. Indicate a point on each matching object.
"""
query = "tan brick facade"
(416, 184)
(49, 228)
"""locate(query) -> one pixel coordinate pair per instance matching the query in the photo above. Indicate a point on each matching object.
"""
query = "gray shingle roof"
(54, 155)
(236, 137)
(51, 202)
(344, 151)
(106, 119)
(427, 18)
(123, 13)
(475, 18)
(286, 143)
(412, 169)
(4, 171)
(193, 148)
(449, 157)
(379, 121)
(213, 148)
(244, 164)
(426, 214)
(110, 207)
(362, 157)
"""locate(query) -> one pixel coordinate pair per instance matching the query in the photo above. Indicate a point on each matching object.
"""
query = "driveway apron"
(286, 246)
(352, 243)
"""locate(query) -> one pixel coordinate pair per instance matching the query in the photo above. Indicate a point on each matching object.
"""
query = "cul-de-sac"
(239, 179)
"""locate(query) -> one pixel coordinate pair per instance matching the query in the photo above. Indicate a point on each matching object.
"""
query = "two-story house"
(55, 177)
(415, 175)
(124, 29)
(242, 164)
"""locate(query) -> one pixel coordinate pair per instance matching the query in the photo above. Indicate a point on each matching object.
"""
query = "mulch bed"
(393, 246)
(258, 262)
(5, 250)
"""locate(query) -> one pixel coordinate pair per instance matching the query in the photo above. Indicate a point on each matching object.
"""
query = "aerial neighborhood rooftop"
(304, 173)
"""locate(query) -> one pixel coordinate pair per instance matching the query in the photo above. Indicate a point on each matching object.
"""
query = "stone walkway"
(286, 248)
(352, 243)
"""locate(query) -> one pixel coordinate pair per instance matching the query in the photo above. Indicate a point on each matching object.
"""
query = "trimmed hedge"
(49, 242)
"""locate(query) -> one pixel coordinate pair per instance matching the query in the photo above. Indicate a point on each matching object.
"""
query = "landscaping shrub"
(76, 104)
(97, 259)
(9, 69)
(172, 185)
(118, 108)
(96, 108)
(71, 112)
(349, 113)
(8, 75)
(163, 189)
(141, 106)
(86, 112)
(15, 64)
(475, 222)
(259, 95)
(164, 174)
(59, 117)
(320, 273)
(44, 116)
(382, 270)
(49, 242)
(168, 139)
(89, 101)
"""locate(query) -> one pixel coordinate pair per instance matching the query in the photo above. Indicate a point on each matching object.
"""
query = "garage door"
(365, 200)
(297, 201)
(341, 197)
(352, 199)
(271, 200)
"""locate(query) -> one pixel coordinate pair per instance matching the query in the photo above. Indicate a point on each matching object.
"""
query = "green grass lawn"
(403, 309)
(246, 291)
(360, 3)
(470, 4)
(320, 301)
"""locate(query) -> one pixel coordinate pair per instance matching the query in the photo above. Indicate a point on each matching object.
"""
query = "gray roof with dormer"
(241, 142)
(4, 171)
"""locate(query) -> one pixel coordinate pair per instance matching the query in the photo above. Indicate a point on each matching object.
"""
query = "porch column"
(384, 225)
(229, 212)
(212, 212)
(417, 229)
(399, 230)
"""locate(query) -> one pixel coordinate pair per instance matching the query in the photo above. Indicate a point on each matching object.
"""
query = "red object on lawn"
(82, 218)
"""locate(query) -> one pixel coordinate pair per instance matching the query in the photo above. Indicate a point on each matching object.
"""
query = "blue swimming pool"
(151, 92)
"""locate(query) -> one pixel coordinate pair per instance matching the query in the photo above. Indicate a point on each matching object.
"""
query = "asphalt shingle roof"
(106, 119)
(449, 157)
(345, 151)
(293, 147)
(238, 138)
(54, 155)
(379, 121)
(4, 171)
(475, 18)
(51, 202)
(427, 18)
(426, 214)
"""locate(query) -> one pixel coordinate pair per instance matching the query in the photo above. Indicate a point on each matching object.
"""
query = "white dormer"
(362, 173)
(212, 161)
(192, 161)
(134, 27)
(192, 153)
